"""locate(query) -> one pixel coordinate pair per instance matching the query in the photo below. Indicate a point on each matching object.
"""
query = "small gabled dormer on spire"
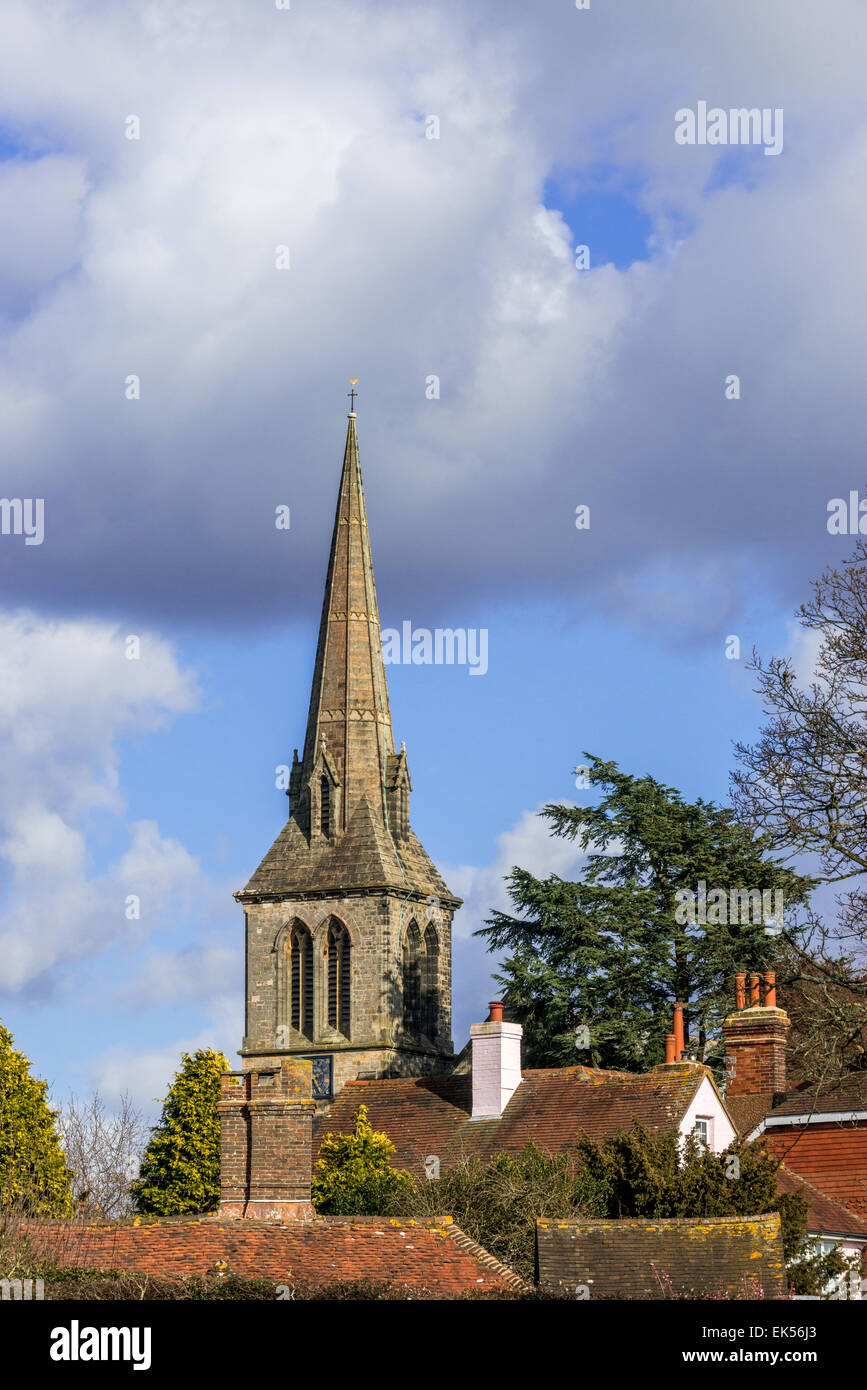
(323, 796)
(398, 787)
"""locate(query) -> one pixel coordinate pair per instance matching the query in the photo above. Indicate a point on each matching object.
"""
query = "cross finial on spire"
(352, 394)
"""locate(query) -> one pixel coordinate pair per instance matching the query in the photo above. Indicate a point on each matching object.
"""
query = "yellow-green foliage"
(354, 1174)
(180, 1171)
(34, 1177)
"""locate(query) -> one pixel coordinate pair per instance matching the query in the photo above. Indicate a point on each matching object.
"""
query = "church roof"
(364, 857)
(349, 738)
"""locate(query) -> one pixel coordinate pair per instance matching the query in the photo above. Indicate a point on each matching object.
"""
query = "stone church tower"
(348, 923)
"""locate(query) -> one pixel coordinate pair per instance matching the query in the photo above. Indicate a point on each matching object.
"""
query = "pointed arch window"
(300, 949)
(430, 982)
(337, 952)
(412, 984)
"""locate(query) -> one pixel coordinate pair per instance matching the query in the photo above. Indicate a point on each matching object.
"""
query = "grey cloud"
(412, 257)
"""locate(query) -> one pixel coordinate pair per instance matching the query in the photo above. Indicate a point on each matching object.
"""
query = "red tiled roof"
(431, 1115)
(437, 1256)
(830, 1155)
(825, 1217)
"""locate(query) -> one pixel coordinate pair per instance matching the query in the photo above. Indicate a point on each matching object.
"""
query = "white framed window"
(703, 1131)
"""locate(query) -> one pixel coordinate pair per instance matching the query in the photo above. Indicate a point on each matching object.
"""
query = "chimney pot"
(678, 1032)
(770, 989)
(669, 1048)
(496, 1011)
(755, 993)
(741, 991)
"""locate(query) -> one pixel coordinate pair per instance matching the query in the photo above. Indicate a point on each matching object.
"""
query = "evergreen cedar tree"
(608, 951)
(180, 1171)
(354, 1176)
(34, 1178)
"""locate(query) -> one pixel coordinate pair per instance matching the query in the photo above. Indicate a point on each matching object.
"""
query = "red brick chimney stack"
(266, 1142)
(755, 1040)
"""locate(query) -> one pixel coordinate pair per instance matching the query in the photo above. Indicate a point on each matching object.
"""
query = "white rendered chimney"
(496, 1063)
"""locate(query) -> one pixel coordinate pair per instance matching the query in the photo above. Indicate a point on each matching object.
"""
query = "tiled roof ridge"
(464, 1242)
(579, 1071)
(547, 1222)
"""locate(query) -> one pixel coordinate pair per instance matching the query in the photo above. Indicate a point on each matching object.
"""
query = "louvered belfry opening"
(301, 981)
(325, 806)
(430, 982)
(338, 950)
(412, 985)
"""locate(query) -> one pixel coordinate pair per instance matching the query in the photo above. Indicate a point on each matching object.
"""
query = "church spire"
(348, 920)
(349, 737)
(349, 792)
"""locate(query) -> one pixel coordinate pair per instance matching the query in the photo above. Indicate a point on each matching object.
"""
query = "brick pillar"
(272, 1146)
(755, 1043)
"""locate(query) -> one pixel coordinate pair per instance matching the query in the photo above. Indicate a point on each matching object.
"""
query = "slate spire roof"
(363, 839)
(349, 699)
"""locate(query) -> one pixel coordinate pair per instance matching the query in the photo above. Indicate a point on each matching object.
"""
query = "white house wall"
(707, 1104)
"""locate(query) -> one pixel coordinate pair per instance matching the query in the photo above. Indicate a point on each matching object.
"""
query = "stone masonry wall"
(377, 1044)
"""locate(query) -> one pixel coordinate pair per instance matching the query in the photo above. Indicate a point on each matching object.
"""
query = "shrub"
(34, 1178)
(354, 1174)
(180, 1171)
(497, 1203)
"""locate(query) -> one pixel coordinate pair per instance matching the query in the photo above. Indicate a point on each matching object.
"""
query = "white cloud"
(68, 695)
(410, 257)
(212, 973)
(804, 646)
(147, 1073)
(528, 844)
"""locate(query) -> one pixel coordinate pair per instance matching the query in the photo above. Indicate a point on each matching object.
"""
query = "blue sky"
(411, 259)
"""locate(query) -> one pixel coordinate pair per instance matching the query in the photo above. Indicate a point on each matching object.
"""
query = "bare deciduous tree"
(804, 782)
(104, 1150)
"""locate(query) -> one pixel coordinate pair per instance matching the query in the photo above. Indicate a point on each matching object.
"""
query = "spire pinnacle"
(352, 394)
